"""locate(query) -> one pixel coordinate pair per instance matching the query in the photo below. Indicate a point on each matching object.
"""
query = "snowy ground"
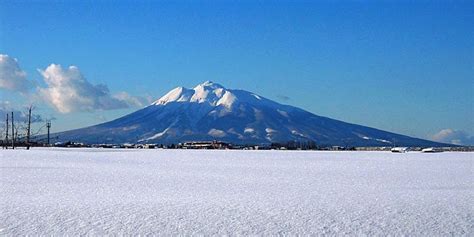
(96, 192)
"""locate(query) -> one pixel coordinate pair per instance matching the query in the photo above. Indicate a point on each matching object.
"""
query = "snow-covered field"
(169, 192)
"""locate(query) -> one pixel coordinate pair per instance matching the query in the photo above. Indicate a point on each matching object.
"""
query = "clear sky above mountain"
(405, 67)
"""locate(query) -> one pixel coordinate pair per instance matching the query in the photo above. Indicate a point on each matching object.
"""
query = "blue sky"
(403, 66)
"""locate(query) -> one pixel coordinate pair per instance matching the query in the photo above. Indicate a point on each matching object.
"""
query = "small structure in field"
(431, 150)
(399, 149)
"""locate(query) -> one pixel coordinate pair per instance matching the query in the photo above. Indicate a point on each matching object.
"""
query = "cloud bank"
(69, 91)
(283, 97)
(11, 76)
(19, 116)
(133, 101)
(452, 136)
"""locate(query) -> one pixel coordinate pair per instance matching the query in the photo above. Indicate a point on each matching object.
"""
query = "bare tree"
(2, 134)
(13, 132)
(20, 133)
(18, 129)
(28, 129)
(6, 133)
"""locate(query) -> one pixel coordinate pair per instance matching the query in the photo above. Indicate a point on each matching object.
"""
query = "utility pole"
(48, 125)
(6, 135)
(28, 129)
(13, 133)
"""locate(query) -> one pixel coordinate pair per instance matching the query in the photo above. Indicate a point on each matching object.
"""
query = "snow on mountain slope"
(210, 111)
(212, 94)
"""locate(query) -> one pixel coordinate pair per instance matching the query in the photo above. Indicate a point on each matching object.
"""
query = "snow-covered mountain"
(210, 111)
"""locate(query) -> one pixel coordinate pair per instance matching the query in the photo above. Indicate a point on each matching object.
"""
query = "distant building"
(337, 148)
(127, 145)
(205, 145)
(431, 150)
(399, 149)
(149, 146)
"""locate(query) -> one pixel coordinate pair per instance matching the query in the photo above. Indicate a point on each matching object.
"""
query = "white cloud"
(454, 137)
(133, 101)
(68, 91)
(11, 75)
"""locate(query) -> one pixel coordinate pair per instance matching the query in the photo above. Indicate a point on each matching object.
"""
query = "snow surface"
(184, 192)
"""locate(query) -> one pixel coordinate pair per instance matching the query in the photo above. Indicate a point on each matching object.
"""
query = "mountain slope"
(211, 112)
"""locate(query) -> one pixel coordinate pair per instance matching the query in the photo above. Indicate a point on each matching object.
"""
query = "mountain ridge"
(210, 111)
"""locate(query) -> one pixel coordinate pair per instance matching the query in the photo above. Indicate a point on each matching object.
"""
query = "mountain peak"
(210, 84)
(206, 92)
